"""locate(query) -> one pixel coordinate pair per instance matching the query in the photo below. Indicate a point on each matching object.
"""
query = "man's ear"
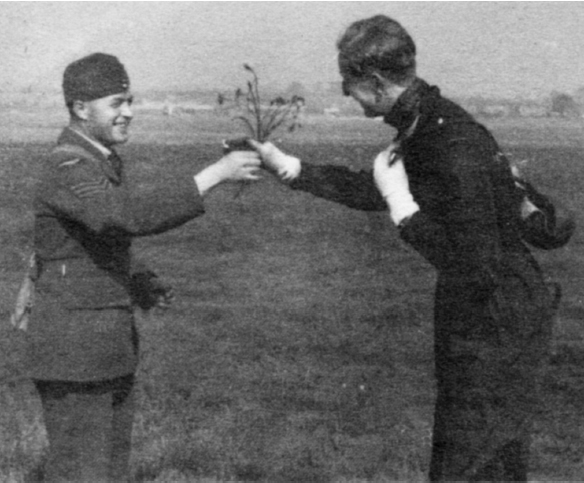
(80, 109)
(384, 86)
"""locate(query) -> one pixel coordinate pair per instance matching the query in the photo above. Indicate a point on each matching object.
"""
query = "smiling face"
(107, 119)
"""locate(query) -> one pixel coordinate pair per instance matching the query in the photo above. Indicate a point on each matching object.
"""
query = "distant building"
(532, 110)
(496, 110)
(332, 111)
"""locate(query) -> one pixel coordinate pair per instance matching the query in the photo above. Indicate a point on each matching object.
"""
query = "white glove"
(392, 182)
(286, 167)
(527, 208)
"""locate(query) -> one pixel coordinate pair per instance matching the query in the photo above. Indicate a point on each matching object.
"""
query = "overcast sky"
(511, 48)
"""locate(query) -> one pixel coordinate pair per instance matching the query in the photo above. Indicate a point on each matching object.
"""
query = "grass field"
(300, 344)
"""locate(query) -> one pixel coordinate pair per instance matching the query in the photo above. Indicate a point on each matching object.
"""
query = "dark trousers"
(508, 464)
(89, 428)
(480, 434)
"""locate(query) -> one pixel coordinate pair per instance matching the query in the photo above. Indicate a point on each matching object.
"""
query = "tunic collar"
(406, 110)
(72, 136)
(99, 151)
(105, 151)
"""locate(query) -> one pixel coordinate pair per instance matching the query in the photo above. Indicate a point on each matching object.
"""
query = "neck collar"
(97, 145)
(407, 108)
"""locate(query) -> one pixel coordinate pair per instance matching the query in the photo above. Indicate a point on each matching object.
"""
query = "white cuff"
(401, 206)
(290, 168)
(527, 208)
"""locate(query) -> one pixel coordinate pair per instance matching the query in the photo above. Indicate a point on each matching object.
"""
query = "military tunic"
(492, 308)
(86, 215)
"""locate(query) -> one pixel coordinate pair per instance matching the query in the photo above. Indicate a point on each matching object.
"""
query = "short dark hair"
(379, 45)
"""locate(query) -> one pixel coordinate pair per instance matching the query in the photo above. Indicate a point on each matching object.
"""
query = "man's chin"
(121, 138)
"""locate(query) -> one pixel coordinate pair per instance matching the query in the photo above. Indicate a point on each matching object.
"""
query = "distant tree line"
(565, 105)
(557, 104)
(322, 98)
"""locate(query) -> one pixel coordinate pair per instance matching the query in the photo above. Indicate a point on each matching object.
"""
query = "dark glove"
(239, 144)
(547, 225)
(149, 292)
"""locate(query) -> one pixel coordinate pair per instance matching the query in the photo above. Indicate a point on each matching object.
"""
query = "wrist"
(208, 178)
(284, 166)
(290, 168)
(402, 206)
(404, 222)
(528, 208)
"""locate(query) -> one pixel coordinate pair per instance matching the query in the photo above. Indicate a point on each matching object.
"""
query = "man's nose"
(127, 110)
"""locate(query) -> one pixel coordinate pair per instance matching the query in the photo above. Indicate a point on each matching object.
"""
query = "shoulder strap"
(74, 149)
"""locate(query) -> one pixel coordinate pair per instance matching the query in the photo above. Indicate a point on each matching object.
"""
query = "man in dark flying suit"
(454, 198)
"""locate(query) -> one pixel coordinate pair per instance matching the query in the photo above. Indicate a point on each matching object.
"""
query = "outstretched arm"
(334, 183)
(79, 190)
(235, 166)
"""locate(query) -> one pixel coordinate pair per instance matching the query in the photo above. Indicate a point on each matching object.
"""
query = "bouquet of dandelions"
(262, 121)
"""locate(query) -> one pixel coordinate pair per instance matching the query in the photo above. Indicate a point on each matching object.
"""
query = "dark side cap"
(93, 77)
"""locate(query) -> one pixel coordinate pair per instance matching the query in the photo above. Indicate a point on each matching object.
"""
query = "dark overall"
(493, 311)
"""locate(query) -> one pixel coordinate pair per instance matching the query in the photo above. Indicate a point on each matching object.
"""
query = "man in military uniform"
(83, 348)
